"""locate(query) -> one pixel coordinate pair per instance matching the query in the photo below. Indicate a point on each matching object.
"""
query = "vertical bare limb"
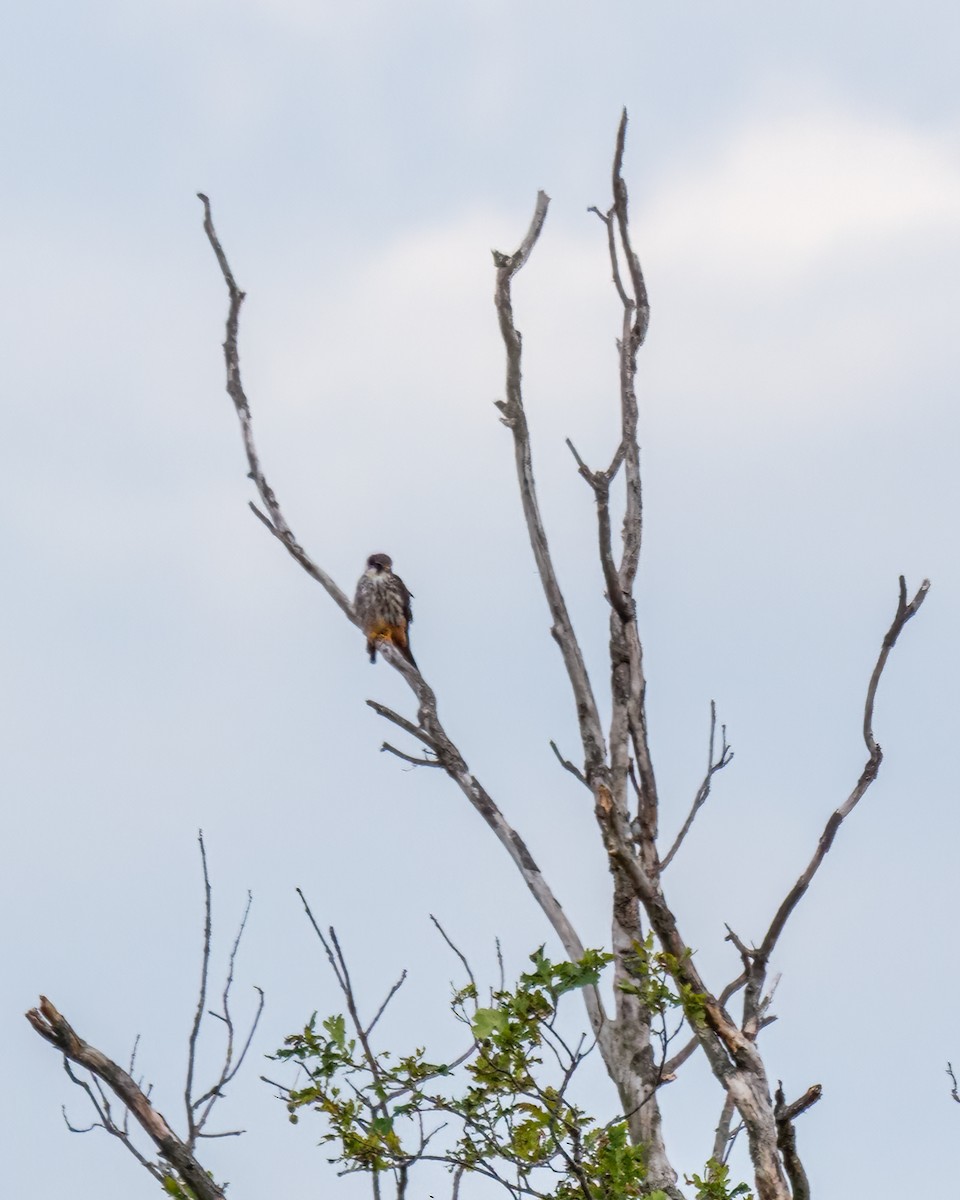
(723, 1137)
(201, 997)
(203, 1105)
(513, 415)
(787, 1139)
(642, 314)
(625, 1043)
(198, 1109)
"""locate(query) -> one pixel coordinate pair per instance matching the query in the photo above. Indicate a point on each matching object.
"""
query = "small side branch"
(401, 722)
(725, 1135)
(54, 1028)
(953, 1081)
(600, 482)
(713, 766)
(568, 765)
(410, 758)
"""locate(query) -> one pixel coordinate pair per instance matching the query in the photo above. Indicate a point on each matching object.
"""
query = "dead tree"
(614, 763)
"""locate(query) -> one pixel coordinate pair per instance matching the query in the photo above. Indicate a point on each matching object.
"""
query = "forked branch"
(703, 791)
(54, 1028)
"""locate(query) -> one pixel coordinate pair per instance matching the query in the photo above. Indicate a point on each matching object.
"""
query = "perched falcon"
(383, 606)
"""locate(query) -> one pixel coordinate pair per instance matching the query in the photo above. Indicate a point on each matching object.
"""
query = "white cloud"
(785, 193)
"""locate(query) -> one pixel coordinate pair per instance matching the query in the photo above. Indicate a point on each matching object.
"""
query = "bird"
(382, 603)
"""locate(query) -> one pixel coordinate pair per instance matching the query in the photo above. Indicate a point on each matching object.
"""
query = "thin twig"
(456, 949)
(323, 941)
(202, 997)
(726, 757)
(390, 995)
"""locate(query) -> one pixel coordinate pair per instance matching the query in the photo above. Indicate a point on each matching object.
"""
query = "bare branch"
(723, 1138)
(54, 1028)
(730, 1051)
(277, 522)
(642, 318)
(903, 614)
(953, 1080)
(401, 722)
(786, 1114)
(101, 1106)
(726, 757)
(341, 981)
(431, 731)
(456, 949)
(410, 758)
(390, 995)
(514, 417)
(600, 482)
(569, 766)
(229, 1072)
(790, 1112)
(607, 219)
(202, 997)
(199, 1108)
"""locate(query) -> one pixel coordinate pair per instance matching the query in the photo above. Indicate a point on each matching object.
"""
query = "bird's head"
(378, 564)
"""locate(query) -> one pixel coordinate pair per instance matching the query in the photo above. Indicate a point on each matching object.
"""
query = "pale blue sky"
(795, 180)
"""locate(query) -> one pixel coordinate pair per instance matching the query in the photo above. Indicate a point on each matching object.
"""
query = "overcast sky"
(795, 186)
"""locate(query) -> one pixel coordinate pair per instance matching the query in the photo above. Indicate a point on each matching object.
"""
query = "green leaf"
(488, 1021)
